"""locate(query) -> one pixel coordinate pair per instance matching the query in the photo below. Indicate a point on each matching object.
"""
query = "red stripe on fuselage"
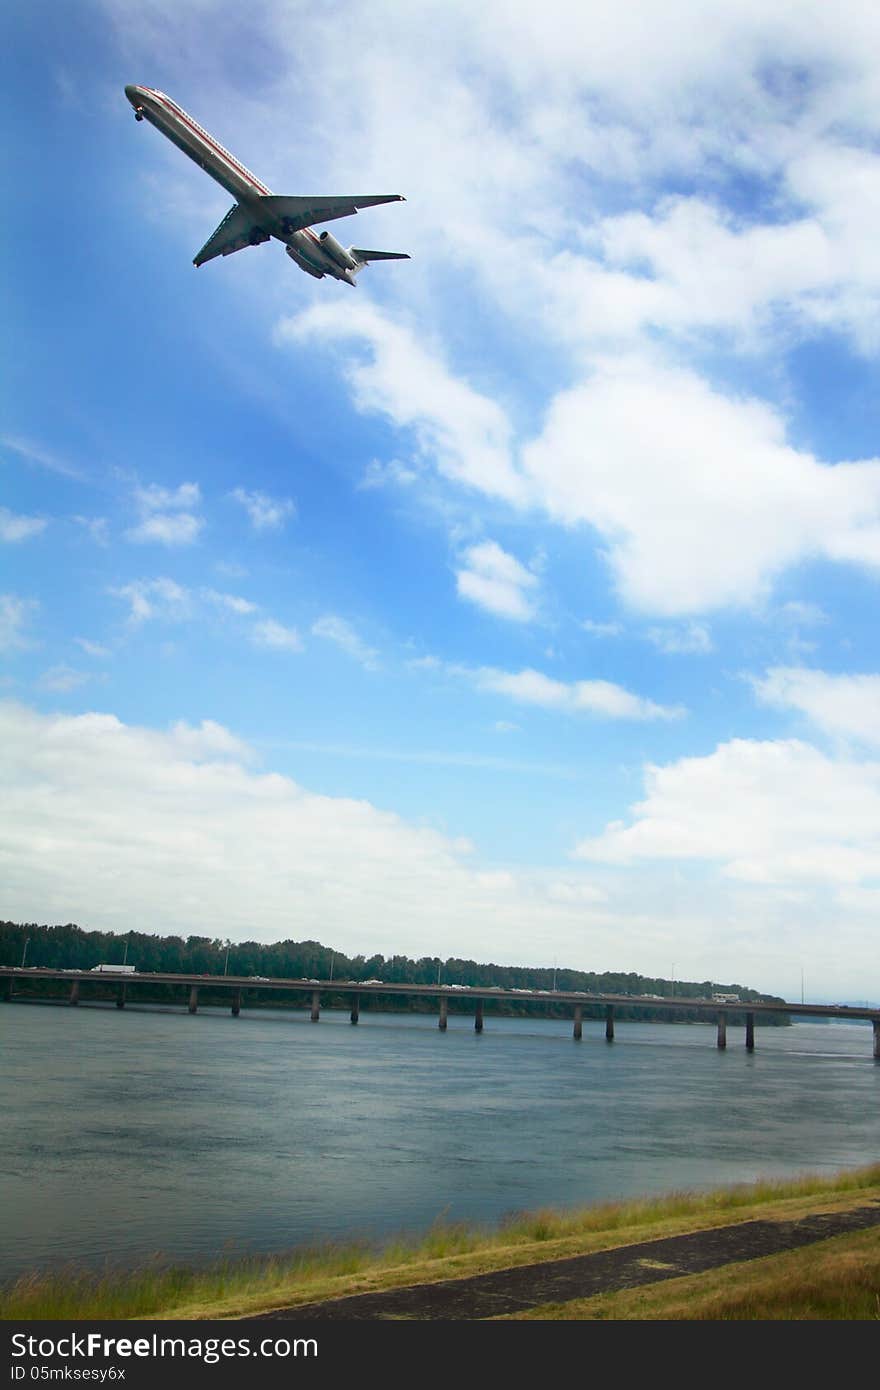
(203, 135)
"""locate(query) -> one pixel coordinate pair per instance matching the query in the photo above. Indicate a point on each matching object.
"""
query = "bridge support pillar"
(750, 1032)
(120, 997)
(578, 1021)
(609, 1023)
(478, 1017)
(193, 998)
(74, 993)
(8, 989)
(316, 1005)
(444, 1010)
(355, 1008)
(236, 1003)
(722, 1030)
(877, 1038)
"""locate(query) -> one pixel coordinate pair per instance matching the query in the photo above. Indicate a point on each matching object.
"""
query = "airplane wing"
(238, 229)
(297, 213)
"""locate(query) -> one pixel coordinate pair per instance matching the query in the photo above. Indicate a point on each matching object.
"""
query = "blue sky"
(518, 604)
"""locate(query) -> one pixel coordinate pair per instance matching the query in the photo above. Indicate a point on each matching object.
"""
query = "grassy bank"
(838, 1278)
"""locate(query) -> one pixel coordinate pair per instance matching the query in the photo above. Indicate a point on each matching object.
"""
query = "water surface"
(127, 1133)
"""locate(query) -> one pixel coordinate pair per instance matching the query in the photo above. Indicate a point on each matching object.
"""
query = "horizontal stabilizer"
(238, 229)
(364, 256)
(297, 213)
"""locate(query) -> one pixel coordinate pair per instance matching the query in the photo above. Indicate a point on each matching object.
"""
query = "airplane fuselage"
(303, 246)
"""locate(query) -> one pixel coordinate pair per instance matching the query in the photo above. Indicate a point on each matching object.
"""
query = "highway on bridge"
(577, 1000)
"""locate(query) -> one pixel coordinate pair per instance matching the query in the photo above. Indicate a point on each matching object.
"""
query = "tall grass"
(155, 1288)
(158, 1289)
(838, 1294)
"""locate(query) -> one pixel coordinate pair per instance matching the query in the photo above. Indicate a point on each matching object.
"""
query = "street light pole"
(27, 942)
(226, 961)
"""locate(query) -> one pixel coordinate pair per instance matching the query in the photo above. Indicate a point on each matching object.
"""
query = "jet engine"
(304, 264)
(330, 246)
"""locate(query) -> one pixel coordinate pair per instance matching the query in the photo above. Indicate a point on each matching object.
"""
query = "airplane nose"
(136, 97)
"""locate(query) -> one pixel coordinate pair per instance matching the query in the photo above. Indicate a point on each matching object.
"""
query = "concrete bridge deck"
(577, 1000)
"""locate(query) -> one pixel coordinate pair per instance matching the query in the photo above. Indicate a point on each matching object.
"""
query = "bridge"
(312, 990)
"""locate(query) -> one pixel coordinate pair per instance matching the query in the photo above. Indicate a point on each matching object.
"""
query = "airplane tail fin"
(364, 257)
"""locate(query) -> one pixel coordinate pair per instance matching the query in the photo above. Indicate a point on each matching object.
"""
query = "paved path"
(605, 1271)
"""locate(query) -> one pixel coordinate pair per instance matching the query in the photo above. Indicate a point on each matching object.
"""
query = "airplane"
(258, 214)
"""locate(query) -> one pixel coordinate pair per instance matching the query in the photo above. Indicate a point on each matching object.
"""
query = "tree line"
(70, 947)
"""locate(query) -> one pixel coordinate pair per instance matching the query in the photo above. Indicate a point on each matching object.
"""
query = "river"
(128, 1134)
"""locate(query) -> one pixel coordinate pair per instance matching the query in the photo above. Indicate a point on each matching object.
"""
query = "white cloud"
(687, 486)
(269, 633)
(466, 435)
(96, 526)
(496, 581)
(15, 527)
(340, 632)
(92, 648)
(765, 813)
(164, 515)
(165, 600)
(106, 823)
(801, 613)
(843, 706)
(35, 453)
(598, 697)
(378, 474)
(179, 529)
(707, 270)
(601, 629)
(684, 484)
(233, 603)
(154, 498)
(160, 598)
(15, 613)
(576, 892)
(204, 743)
(691, 637)
(62, 678)
(266, 513)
